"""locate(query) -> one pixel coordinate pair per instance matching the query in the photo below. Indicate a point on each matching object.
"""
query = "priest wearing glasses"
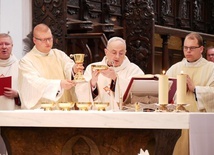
(199, 81)
(45, 74)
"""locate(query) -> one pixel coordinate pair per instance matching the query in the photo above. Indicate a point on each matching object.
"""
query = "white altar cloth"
(94, 119)
(202, 134)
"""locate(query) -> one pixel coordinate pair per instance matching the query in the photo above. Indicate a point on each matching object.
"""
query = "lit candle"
(163, 89)
(181, 88)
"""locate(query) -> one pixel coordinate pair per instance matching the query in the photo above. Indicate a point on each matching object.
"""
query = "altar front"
(91, 132)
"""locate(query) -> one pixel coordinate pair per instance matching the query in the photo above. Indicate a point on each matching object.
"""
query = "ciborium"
(47, 105)
(101, 106)
(84, 106)
(79, 59)
(66, 106)
(99, 67)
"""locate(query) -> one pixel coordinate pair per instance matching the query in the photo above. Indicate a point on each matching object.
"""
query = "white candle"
(181, 88)
(163, 89)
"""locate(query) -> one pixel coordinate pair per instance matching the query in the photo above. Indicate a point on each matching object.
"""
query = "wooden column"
(165, 52)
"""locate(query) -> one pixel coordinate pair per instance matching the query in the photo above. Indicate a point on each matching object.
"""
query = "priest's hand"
(190, 84)
(94, 78)
(67, 84)
(78, 68)
(109, 73)
(10, 93)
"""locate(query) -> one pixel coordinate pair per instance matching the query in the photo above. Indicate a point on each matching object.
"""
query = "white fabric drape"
(201, 134)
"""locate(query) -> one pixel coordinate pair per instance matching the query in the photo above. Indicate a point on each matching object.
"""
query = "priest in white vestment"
(210, 53)
(200, 82)
(45, 74)
(9, 100)
(8, 67)
(109, 85)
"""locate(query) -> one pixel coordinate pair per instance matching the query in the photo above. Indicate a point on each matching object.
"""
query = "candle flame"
(164, 72)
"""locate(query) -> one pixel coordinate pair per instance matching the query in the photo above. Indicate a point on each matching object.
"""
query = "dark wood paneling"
(88, 141)
(134, 20)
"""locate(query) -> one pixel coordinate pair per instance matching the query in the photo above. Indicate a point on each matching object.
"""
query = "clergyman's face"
(210, 54)
(192, 51)
(6, 46)
(43, 41)
(115, 53)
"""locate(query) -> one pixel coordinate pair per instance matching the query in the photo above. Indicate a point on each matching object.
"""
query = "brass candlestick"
(79, 59)
(181, 107)
(162, 108)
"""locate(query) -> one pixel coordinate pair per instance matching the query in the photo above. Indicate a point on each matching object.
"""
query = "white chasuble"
(40, 75)
(125, 72)
(202, 74)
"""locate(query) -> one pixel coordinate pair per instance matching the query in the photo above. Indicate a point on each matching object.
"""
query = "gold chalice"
(47, 106)
(98, 67)
(84, 106)
(101, 106)
(66, 106)
(79, 59)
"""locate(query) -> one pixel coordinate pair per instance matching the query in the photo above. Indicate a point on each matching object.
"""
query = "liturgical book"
(147, 86)
(5, 82)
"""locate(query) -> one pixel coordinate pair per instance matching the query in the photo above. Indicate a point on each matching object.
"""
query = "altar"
(91, 132)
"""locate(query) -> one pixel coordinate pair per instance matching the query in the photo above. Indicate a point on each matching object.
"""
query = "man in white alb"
(44, 73)
(200, 82)
(8, 67)
(200, 75)
(109, 85)
(210, 53)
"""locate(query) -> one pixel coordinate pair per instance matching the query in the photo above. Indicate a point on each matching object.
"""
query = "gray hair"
(116, 39)
(6, 35)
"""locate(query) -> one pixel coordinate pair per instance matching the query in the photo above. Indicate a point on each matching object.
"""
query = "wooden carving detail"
(75, 15)
(166, 7)
(91, 10)
(139, 29)
(51, 12)
(198, 14)
(211, 17)
(88, 141)
(112, 15)
(73, 9)
(167, 17)
(183, 19)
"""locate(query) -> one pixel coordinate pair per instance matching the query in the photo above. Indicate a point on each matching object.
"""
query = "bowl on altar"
(84, 106)
(47, 106)
(66, 106)
(101, 106)
(99, 67)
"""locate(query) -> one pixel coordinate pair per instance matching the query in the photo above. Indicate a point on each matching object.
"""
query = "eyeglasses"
(45, 39)
(210, 55)
(191, 48)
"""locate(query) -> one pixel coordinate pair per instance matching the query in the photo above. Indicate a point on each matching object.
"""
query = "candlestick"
(163, 89)
(181, 88)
